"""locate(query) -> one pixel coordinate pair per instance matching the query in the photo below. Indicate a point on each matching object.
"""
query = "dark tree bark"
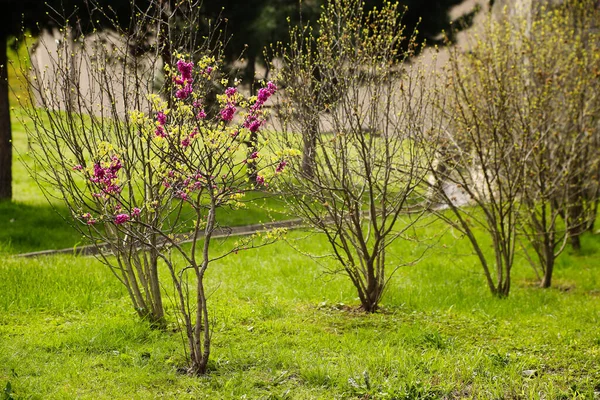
(310, 144)
(547, 281)
(576, 218)
(5, 128)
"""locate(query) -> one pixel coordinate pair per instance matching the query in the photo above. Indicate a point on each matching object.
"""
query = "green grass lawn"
(283, 329)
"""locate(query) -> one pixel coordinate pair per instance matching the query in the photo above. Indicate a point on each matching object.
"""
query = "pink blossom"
(260, 180)
(121, 219)
(201, 114)
(208, 70)
(160, 131)
(136, 212)
(105, 177)
(266, 92)
(254, 155)
(197, 185)
(185, 142)
(184, 92)
(161, 118)
(182, 195)
(230, 91)
(252, 122)
(112, 189)
(88, 219)
(254, 126)
(99, 173)
(185, 80)
(263, 95)
(228, 112)
(77, 167)
(281, 166)
(116, 164)
(185, 69)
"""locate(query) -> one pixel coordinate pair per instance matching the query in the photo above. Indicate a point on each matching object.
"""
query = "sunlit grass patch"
(285, 329)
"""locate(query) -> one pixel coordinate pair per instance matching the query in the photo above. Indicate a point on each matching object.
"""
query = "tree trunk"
(5, 128)
(158, 313)
(370, 302)
(592, 222)
(549, 268)
(374, 288)
(202, 334)
(503, 288)
(310, 144)
(576, 215)
(199, 333)
(576, 241)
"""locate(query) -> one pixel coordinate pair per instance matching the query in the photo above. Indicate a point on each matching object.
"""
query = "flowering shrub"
(200, 163)
(143, 172)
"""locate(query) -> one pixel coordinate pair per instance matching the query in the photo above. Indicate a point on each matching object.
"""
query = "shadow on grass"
(25, 228)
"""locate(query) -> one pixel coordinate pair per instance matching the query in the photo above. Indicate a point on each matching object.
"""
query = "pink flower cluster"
(88, 219)
(121, 219)
(265, 93)
(162, 120)
(201, 113)
(281, 166)
(253, 121)
(105, 177)
(228, 112)
(187, 140)
(185, 80)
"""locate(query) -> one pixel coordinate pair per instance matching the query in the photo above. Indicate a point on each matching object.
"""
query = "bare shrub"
(519, 113)
(353, 111)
